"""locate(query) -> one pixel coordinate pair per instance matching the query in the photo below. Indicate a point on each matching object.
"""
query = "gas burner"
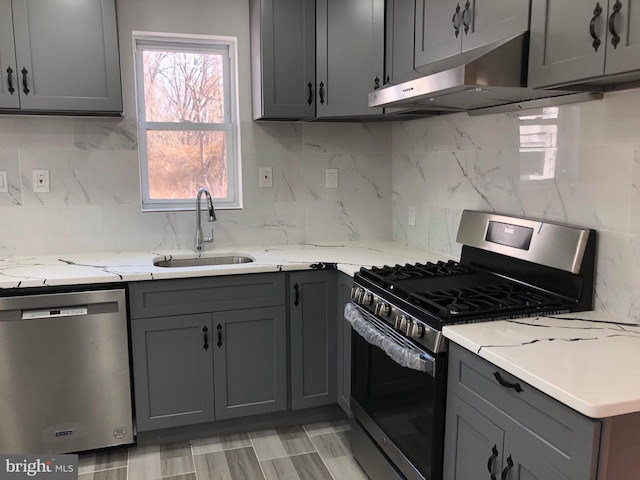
(494, 299)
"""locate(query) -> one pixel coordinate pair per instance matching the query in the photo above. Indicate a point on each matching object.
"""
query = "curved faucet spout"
(200, 238)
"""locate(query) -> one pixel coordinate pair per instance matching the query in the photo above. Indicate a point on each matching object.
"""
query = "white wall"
(447, 164)
(94, 204)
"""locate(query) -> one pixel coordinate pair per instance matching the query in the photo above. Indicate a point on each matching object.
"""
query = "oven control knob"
(400, 323)
(356, 294)
(367, 298)
(383, 309)
(415, 330)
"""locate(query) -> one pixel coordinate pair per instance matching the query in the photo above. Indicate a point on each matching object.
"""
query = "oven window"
(407, 405)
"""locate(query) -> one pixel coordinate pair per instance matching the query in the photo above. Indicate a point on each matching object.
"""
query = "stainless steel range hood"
(491, 76)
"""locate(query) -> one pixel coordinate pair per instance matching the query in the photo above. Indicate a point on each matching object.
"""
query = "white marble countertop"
(586, 360)
(75, 269)
(586, 364)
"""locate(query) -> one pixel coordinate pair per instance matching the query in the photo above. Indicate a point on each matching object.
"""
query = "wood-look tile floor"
(310, 452)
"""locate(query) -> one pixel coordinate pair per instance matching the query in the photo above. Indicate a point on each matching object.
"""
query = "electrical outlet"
(41, 181)
(266, 177)
(332, 178)
(412, 216)
(4, 185)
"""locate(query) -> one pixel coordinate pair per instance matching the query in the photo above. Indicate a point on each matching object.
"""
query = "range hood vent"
(476, 82)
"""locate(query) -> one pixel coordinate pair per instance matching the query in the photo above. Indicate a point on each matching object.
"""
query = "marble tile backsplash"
(576, 164)
(94, 203)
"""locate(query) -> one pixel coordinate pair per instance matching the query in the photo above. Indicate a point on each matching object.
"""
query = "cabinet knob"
(494, 455)
(457, 20)
(24, 72)
(10, 88)
(466, 17)
(509, 466)
(615, 38)
(592, 27)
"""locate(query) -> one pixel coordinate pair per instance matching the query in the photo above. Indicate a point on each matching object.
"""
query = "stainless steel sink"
(203, 261)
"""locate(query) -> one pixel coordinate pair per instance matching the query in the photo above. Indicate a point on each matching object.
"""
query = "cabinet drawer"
(560, 435)
(160, 298)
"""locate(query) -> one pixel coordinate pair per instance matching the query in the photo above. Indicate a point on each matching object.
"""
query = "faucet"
(200, 239)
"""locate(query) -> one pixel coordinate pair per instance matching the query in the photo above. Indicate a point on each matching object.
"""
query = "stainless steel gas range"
(509, 267)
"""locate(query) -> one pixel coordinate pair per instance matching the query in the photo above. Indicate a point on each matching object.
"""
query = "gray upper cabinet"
(312, 307)
(447, 27)
(63, 56)
(283, 56)
(250, 361)
(349, 56)
(501, 426)
(575, 41)
(399, 41)
(9, 93)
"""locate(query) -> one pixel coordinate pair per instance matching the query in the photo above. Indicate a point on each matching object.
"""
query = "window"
(188, 127)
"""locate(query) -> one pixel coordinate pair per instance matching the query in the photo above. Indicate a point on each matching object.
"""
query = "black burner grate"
(490, 299)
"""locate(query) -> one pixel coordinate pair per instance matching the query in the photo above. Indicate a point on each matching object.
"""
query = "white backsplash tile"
(575, 164)
(581, 167)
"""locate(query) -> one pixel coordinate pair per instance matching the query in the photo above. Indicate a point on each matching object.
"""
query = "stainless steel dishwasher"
(64, 372)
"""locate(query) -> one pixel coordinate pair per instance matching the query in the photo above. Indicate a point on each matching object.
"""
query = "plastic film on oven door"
(381, 335)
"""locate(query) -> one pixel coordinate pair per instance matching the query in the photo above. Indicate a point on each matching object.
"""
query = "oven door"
(398, 398)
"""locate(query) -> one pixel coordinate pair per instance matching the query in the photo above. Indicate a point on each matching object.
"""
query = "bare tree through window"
(185, 89)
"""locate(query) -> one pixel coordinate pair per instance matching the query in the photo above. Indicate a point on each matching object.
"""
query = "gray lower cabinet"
(349, 56)
(312, 312)
(514, 433)
(445, 28)
(249, 362)
(172, 371)
(575, 41)
(283, 58)
(198, 356)
(59, 56)
(345, 282)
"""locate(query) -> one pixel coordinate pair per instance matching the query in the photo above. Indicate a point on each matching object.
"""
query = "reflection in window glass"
(539, 145)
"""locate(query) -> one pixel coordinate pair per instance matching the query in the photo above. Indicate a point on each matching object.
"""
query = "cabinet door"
(312, 310)
(172, 371)
(436, 35)
(8, 69)
(473, 445)
(523, 463)
(345, 283)
(487, 21)
(399, 41)
(250, 361)
(283, 38)
(625, 56)
(349, 56)
(67, 52)
(561, 49)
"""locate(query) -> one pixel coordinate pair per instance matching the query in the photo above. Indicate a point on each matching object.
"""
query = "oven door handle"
(380, 336)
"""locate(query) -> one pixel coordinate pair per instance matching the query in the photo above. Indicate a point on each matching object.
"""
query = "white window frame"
(191, 43)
